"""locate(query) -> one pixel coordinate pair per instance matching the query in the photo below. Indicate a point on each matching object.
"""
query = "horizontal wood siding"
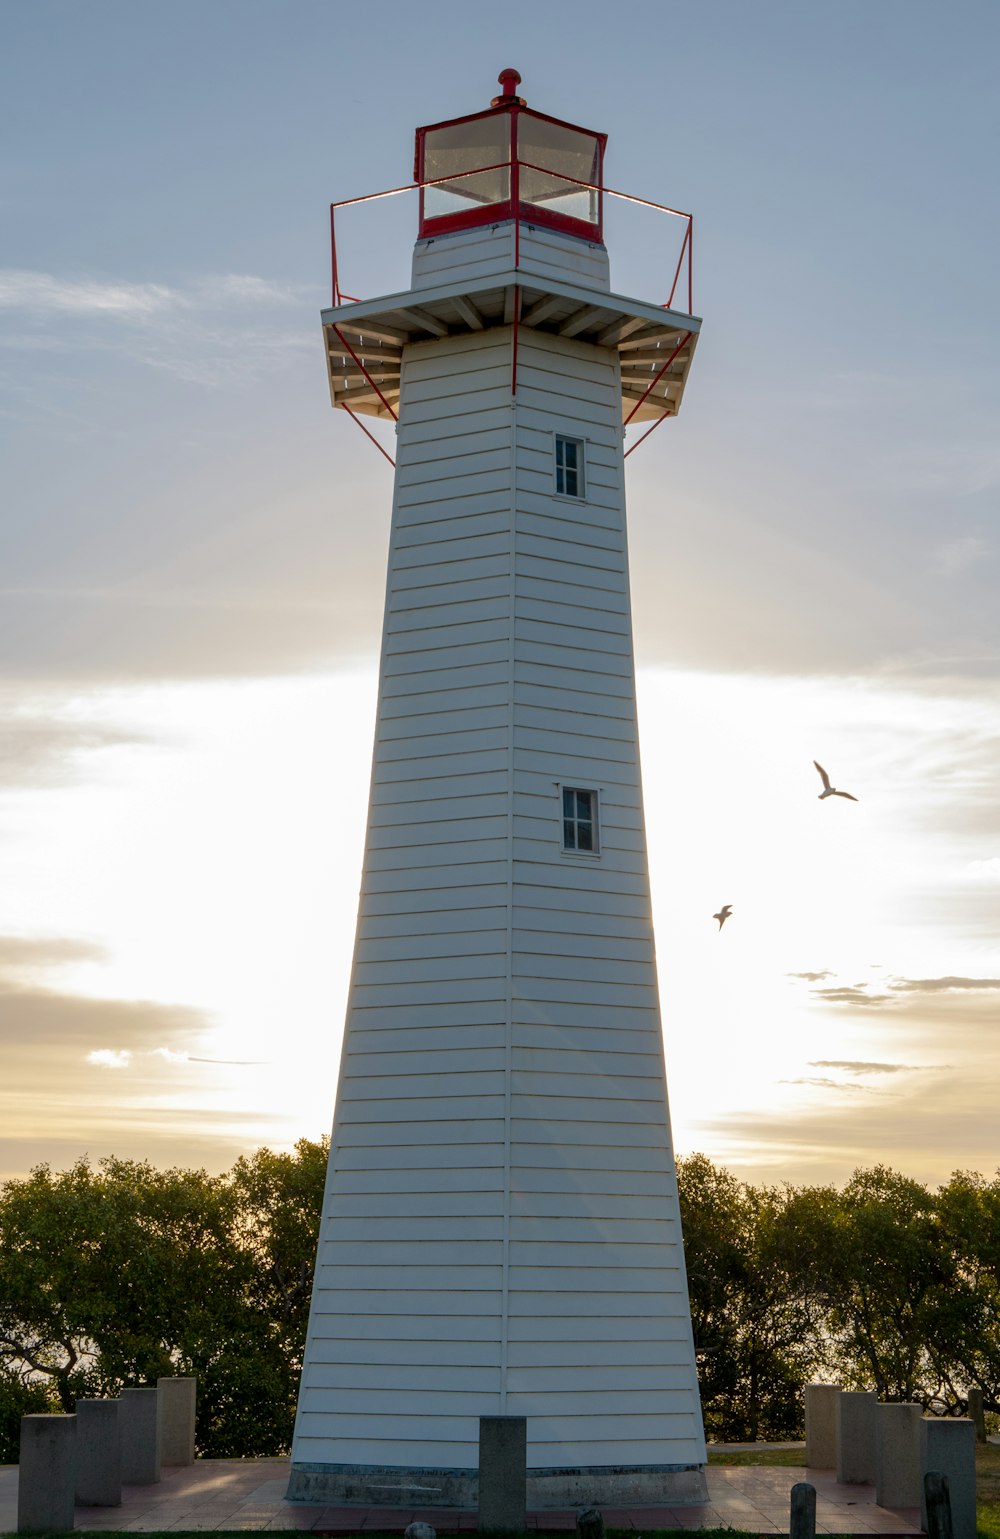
(501, 1232)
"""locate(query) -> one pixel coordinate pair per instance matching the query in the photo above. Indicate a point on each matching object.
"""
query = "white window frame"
(594, 821)
(562, 469)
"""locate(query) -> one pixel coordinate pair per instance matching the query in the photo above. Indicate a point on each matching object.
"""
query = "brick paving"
(221, 1494)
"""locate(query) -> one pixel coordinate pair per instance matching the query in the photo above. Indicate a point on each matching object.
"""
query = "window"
(569, 466)
(579, 812)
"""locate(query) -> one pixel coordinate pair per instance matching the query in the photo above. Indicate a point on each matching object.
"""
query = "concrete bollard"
(856, 1437)
(802, 1523)
(821, 1425)
(98, 1453)
(948, 1447)
(590, 1524)
(503, 1473)
(140, 1424)
(937, 1503)
(177, 1410)
(47, 1475)
(898, 1474)
(977, 1414)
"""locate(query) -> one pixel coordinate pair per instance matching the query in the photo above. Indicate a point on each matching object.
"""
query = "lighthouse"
(500, 1232)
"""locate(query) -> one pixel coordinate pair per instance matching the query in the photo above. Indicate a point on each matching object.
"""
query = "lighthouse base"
(619, 1485)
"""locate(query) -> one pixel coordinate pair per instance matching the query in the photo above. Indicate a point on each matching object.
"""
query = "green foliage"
(883, 1285)
(116, 1274)
(20, 1396)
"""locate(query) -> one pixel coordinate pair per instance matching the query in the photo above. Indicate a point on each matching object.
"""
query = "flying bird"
(723, 914)
(828, 789)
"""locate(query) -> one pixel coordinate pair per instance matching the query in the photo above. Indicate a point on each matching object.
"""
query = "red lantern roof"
(510, 162)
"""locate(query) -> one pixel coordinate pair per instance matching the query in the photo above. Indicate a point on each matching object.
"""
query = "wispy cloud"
(860, 1066)
(943, 985)
(20, 951)
(45, 294)
(984, 870)
(856, 994)
(959, 556)
(894, 991)
(822, 1082)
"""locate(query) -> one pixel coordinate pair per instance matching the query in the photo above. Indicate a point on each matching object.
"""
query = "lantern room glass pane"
(457, 149)
(559, 152)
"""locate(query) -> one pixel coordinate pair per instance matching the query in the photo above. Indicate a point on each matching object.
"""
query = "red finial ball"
(509, 79)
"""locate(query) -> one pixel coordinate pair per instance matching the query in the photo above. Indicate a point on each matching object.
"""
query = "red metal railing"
(684, 258)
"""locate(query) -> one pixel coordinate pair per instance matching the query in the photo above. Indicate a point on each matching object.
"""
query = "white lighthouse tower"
(500, 1233)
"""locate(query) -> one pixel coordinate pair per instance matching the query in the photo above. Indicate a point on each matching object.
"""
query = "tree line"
(115, 1274)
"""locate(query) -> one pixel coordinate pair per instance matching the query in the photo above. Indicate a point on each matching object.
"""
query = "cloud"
(108, 1058)
(43, 294)
(984, 870)
(855, 1066)
(900, 990)
(942, 1124)
(20, 951)
(942, 985)
(856, 995)
(958, 556)
(823, 1083)
(46, 294)
(42, 746)
(810, 977)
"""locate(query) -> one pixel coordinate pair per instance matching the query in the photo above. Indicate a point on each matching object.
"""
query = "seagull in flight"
(828, 789)
(723, 914)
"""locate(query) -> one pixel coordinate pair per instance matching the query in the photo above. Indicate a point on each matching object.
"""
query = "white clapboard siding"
(501, 1230)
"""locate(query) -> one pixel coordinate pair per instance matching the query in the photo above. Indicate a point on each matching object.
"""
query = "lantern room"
(510, 162)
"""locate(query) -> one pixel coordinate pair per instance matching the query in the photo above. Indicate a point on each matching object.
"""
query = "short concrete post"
(821, 1425)
(948, 1447)
(856, 1437)
(977, 1414)
(937, 1505)
(47, 1476)
(897, 1455)
(140, 1424)
(177, 1408)
(590, 1524)
(98, 1453)
(503, 1473)
(803, 1515)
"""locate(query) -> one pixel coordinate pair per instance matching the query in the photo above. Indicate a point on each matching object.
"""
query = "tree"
(872, 1257)
(968, 1211)
(20, 1395)
(757, 1337)
(115, 1275)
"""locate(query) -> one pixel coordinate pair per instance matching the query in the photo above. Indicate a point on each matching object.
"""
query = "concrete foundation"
(47, 1475)
(948, 1446)
(856, 1434)
(821, 1425)
(140, 1427)
(898, 1479)
(649, 1485)
(177, 1412)
(98, 1453)
(503, 1472)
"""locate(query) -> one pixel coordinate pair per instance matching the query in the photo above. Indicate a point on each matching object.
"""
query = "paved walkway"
(249, 1494)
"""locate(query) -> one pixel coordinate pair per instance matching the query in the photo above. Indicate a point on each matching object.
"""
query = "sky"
(192, 553)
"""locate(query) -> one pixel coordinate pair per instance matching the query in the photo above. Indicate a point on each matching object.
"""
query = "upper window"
(569, 466)
(579, 810)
